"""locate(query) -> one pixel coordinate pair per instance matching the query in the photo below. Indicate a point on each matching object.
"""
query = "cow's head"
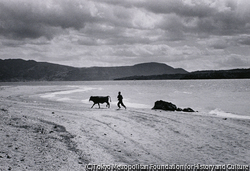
(91, 98)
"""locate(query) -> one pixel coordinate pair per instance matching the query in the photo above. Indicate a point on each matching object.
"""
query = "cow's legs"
(93, 105)
(108, 105)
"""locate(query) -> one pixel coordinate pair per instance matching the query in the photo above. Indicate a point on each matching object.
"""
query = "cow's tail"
(109, 98)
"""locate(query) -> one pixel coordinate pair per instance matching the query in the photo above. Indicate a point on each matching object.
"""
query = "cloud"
(221, 17)
(193, 34)
(245, 40)
(234, 61)
(33, 19)
(219, 42)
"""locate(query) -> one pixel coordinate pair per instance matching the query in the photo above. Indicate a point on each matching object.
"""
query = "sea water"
(226, 98)
(223, 97)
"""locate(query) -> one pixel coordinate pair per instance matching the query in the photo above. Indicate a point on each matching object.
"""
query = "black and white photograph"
(124, 85)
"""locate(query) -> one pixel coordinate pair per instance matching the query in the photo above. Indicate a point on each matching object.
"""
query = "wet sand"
(39, 134)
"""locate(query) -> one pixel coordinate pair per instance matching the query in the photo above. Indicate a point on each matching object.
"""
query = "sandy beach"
(39, 134)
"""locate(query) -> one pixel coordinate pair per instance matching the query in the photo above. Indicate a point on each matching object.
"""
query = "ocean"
(225, 98)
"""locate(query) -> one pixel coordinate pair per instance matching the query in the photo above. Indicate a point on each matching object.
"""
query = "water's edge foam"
(221, 113)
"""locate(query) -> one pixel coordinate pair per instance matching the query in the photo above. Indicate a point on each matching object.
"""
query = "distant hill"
(219, 74)
(22, 70)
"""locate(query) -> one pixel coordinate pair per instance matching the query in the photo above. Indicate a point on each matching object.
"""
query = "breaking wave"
(221, 113)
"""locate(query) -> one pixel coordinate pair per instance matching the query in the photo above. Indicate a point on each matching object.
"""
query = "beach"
(41, 134)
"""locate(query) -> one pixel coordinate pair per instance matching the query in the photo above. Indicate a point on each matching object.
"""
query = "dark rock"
(165, 106)
(188, 110)
(168, 106)
(179, 109)
(4, 110)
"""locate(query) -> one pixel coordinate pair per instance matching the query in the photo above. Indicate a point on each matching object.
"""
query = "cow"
(100, 99)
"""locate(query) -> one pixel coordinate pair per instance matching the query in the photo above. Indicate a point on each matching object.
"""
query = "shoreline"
(69, 136)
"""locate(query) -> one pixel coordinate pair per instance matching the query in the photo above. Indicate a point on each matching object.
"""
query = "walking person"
(120, 102)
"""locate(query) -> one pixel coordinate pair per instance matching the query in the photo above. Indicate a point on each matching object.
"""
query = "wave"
(54, 94)
(221, 113)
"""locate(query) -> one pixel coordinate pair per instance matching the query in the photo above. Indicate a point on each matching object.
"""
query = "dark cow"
(100, 99)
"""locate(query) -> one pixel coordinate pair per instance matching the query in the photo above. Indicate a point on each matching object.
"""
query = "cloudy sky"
(191, 34)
